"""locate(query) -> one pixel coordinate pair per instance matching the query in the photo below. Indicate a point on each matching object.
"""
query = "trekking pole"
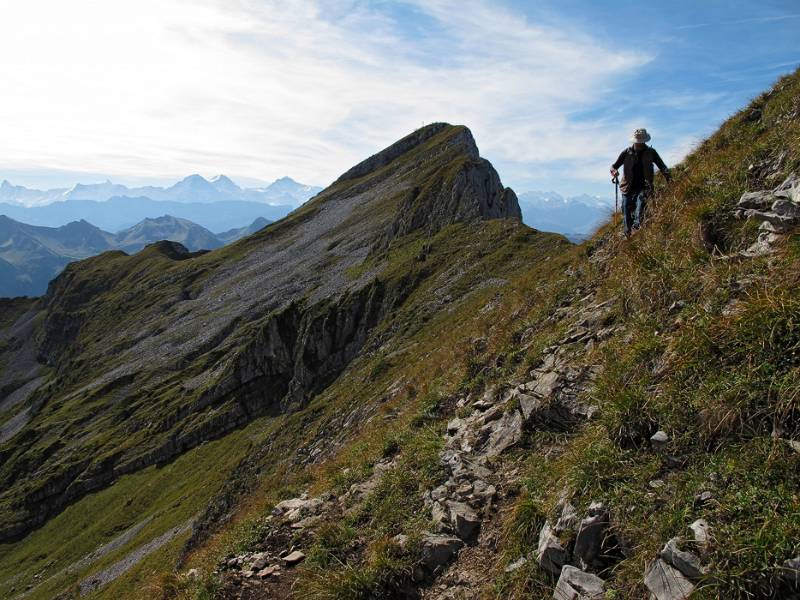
(615, 181)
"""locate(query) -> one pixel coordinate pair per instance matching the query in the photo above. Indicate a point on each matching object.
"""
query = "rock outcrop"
(777, 210)
(574, 584)
(665, 582)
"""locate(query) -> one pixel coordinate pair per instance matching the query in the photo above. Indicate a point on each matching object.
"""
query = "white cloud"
(265, 88)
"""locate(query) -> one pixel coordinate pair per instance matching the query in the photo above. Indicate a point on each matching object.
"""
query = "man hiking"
(637, 178)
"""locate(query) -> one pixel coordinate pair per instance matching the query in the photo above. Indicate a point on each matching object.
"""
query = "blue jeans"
(633, 207)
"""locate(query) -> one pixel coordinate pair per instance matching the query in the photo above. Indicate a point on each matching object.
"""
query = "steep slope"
(618, 419)
(138, 359)
(192, 236)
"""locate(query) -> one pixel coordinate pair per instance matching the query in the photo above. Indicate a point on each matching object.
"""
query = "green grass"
(167, 496)
(719, 374)
(384, 575)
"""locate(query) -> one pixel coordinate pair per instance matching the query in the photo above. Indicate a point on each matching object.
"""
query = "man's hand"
(614, 172)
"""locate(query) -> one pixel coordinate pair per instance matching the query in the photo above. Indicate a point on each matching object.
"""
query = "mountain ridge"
(33, 255)
(325, 317)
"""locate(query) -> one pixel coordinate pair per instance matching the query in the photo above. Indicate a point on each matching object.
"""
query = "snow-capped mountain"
(194, 188)
(576, 217)
(288, 191)
(20, 195)
(224, 185)
(94, 191)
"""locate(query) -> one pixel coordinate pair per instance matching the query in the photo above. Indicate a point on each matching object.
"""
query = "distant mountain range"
(217, 204)
(44, 230)
(576, 217)
(194, 189)
(123, 212)
(220, 204)
(30, 255)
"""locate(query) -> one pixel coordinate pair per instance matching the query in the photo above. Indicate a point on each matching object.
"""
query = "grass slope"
(709, 353)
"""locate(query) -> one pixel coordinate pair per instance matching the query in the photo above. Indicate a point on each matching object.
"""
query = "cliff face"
(147, 356)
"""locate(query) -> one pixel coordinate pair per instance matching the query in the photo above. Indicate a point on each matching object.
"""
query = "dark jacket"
(637, 172)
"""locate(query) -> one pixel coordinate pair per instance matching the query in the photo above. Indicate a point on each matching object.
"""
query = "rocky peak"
(444, 181)
(405, 145)
(465, 188)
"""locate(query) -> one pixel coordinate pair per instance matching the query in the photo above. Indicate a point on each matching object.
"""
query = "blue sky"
(148, 91)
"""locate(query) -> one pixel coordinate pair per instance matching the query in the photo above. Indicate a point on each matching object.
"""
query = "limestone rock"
(568, 521)
(438, 550)
(785, 208)
(520, 562)
(528, 405)
(771, 221)
(703, 498)
(544, 385)
(455, 426)
(482, 492)
(504, 433)
(259, 562)
(550, 554)
(465, 521)
(701, 531)
(763, 245)
(439, 493)
(659, 441)
(269, 572)
(291, 504)
(688, 563)
(296, 508)
(756, 200)
(574, 584)
(294, 558)
(789, 189)
(665, 582)
(440, 518)
(591, 537)
(789, 574)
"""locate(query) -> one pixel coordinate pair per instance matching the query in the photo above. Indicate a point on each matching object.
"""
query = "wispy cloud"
(770, 19)
(266, 88)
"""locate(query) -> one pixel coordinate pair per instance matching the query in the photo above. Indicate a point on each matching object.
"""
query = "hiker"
(637, 178)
